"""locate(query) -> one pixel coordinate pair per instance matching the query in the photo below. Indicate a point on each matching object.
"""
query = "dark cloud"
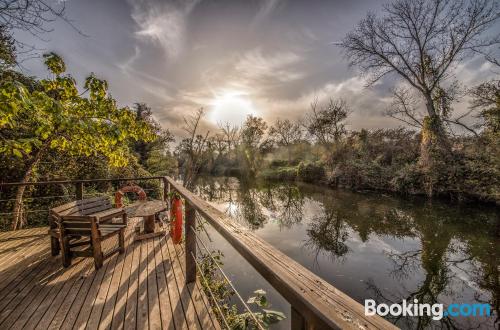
(177, 56)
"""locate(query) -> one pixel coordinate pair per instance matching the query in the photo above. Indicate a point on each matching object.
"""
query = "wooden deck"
(140, 289)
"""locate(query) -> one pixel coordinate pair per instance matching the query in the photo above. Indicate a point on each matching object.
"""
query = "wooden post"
(79, 190)
(297, 320)
(190, 241)
(165, 187)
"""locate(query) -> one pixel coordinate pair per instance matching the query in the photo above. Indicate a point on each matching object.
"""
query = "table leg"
(149, 224)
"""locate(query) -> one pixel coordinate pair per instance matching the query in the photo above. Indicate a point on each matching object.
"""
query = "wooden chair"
(86, 223)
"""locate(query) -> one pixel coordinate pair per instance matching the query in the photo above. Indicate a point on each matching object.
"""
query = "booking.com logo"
(436, 311)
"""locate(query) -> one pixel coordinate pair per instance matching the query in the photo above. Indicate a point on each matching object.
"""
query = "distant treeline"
(319, 149)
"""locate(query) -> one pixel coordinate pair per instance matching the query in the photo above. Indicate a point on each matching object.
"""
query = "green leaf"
(17, 153)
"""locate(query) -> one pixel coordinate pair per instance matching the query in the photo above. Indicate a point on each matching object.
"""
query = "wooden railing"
(315, 304)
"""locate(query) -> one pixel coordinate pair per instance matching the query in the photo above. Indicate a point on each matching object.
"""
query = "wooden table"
(147, 210)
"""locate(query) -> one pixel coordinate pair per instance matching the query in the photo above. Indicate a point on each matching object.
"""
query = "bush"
(280, 173)
(310, 172)
(278, 163)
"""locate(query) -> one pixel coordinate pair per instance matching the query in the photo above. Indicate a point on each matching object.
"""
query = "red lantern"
(176, 220)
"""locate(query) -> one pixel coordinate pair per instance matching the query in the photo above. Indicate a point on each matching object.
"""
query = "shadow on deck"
(143, 288)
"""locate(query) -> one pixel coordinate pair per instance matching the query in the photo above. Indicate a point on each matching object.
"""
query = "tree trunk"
(435, 148)
(435, 151)
(18, 214)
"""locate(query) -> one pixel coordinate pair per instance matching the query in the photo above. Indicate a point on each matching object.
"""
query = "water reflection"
(328, 232)
(375, 246)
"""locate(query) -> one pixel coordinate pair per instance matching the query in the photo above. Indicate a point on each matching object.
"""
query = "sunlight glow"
(232, 107)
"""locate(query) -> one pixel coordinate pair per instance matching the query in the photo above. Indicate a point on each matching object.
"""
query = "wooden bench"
(84, 224)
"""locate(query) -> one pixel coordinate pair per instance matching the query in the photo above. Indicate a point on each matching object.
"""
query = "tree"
(162, 140)
(57, 117)
(32, 17)
(193, 149)
(326, 124)
(231, 135)
(253, 131)
(251, 136)
(285, 133)
(7, 50)
(486, 97)
(421, 41)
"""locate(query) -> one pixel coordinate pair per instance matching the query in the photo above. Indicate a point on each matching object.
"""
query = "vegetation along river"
(369, 245)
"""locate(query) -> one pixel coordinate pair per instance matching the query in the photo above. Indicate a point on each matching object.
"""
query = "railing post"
(166, 191)
(297, 320)
(79, 190)
(190, 241)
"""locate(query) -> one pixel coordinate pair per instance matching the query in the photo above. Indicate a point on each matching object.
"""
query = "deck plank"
(142, 288)
(166, 310)
(153, 300)
(62, 298)
(36, 308)
(142, 299)
(187, 304)
(121, 301)
(180, 320)
(131, 308)
(201, 311)
(112, 296)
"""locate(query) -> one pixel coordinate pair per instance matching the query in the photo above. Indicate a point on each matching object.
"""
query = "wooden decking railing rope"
(315, 304)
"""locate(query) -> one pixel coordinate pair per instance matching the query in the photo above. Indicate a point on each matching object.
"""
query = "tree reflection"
(290, 205)
(328, 232)
(435, 259)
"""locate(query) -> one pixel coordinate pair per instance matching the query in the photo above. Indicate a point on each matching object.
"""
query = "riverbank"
(370, 177)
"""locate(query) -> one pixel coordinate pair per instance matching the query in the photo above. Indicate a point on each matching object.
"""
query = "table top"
(145, 208)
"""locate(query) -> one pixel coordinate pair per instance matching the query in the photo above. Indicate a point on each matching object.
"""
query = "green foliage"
(265, 317)
(279, 173)
(154, 155)
(7, 49)
(55, 64)
(57, 117)
(310, 172)
(214, 283)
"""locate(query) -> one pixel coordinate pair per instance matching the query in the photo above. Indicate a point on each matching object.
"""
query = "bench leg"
(121, 240)
(97, 251)
(66, 253)
(55, 246)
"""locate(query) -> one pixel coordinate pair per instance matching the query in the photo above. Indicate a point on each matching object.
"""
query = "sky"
(269, 58)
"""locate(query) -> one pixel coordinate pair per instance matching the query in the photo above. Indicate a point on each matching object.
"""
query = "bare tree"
(421, 41)
(33, 17)
(326, 124)
(193, 148)
(486, 98)
(230, 134)
(404, 107)
(285, 133)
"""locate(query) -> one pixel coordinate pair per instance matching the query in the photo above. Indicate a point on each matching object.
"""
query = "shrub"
(280, 173)
(310, 172)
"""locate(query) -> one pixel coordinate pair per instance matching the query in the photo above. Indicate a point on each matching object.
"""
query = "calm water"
(368, 245)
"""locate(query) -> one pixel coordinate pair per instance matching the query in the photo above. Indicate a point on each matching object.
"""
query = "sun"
(231, 107)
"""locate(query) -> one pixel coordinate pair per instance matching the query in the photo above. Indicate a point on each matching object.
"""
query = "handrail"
(37, 183)
(315, 303)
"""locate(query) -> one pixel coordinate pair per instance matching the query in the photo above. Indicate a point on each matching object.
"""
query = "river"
(369, 245)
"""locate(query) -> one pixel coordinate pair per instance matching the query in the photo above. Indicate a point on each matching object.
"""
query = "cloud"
(266, 8)
(162, 23)
(278, 67)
